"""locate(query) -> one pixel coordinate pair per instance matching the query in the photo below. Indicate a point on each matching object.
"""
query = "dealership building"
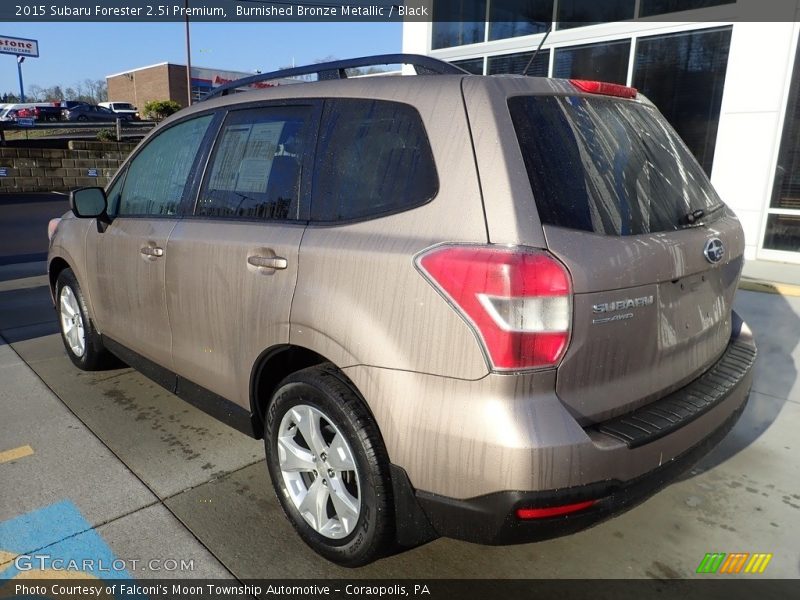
(731, 88)
(167, 81)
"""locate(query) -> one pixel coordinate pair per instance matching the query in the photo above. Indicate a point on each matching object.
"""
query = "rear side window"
(373, 158)
(255, 168)
(608, 166)
(157, 175)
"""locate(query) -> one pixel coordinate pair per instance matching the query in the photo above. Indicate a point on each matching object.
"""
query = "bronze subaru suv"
(490, 308)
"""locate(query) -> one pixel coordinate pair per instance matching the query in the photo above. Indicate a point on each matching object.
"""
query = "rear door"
(654, 254)
(232, 264)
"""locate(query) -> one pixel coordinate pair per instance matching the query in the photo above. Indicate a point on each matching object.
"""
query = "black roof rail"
(423, 65)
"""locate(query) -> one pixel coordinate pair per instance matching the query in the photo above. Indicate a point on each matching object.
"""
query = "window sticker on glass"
(245, 157)
(255, 168)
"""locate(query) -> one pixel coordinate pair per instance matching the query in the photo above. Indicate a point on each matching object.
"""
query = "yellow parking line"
(784, 289)
(15, 453)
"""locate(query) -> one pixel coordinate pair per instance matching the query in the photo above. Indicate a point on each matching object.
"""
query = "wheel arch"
(54, 269)
(271, 367)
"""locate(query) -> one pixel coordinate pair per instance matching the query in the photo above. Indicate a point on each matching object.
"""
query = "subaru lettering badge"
(714, 250)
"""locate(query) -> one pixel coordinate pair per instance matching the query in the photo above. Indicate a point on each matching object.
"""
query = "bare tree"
(92, 91)
(54, 94)
(34, 93)
(102, 90)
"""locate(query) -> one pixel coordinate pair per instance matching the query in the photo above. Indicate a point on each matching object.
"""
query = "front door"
(128, 256)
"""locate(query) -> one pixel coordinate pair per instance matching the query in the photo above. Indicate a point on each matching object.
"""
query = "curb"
(769, 287)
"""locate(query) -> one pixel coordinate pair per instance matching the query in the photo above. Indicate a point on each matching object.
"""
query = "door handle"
(268, 262)
(152, 251)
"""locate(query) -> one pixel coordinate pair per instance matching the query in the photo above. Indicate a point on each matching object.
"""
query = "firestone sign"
(19, 46)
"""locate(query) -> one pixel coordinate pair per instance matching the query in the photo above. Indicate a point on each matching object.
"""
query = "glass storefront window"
(783, 230)
(515, 63)
(458, 22)
(577, 13)
(684, 75)
(607, 61)
(786, 192)
(472, 65)
(648, 8)
(783, 233)
(513, 18)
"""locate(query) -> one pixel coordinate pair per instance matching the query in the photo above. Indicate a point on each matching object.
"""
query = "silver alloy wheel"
(320, 471)
(72, 321)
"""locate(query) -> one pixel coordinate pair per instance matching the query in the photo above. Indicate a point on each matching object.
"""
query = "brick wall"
(45, 170)
(161, 82)
(122, 89)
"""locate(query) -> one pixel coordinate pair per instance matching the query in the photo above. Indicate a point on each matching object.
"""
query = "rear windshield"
(122, 106)
(609, 166)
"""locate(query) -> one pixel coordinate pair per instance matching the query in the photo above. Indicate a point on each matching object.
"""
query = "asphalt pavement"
(155, 478)
(23, 224)
(108, 464)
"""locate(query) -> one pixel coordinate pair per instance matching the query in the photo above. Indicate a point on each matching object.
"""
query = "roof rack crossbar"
(423, 65)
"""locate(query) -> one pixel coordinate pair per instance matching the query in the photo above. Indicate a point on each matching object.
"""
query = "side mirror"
(89, 203)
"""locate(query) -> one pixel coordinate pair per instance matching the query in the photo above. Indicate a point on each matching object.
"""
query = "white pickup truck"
(122, 108)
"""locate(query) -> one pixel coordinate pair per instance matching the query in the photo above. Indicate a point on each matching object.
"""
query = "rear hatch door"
(654, 255)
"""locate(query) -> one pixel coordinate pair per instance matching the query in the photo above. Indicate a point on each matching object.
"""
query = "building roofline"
(127, 71)
(161, 64)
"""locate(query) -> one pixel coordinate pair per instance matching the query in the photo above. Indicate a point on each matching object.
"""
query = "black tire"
(94, 356)
(327, 390)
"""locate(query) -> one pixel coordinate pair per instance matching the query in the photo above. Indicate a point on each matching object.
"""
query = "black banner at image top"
(564, 13)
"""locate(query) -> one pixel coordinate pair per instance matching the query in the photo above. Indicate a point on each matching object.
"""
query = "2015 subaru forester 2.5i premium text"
(491, 308)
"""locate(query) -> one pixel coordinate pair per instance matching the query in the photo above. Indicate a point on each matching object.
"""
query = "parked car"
(122, 108)
(512, 319)
(67, 104)
(8, 113)
(90, 112)
(43, 111)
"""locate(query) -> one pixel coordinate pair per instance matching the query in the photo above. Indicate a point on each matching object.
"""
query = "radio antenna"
(530, 62)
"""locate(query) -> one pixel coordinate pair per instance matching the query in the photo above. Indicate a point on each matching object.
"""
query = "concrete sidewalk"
(64, 494)
(771, 277)
(129, 471)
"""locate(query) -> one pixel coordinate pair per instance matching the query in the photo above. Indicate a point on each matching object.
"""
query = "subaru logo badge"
(714, 250)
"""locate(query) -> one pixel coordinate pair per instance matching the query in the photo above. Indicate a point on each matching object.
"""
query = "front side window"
(373, 158)
(157, 175)
(114, 194)
(255, 167)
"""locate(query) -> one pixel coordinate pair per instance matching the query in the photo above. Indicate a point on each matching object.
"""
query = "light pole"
(188, 57)
(20, 60)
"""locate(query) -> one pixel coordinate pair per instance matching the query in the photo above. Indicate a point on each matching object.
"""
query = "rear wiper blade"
(694, 216)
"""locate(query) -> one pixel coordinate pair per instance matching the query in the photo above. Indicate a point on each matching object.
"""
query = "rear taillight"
(518, 300)
(605, 88)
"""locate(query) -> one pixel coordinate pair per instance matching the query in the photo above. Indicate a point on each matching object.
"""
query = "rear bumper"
(717, 397)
